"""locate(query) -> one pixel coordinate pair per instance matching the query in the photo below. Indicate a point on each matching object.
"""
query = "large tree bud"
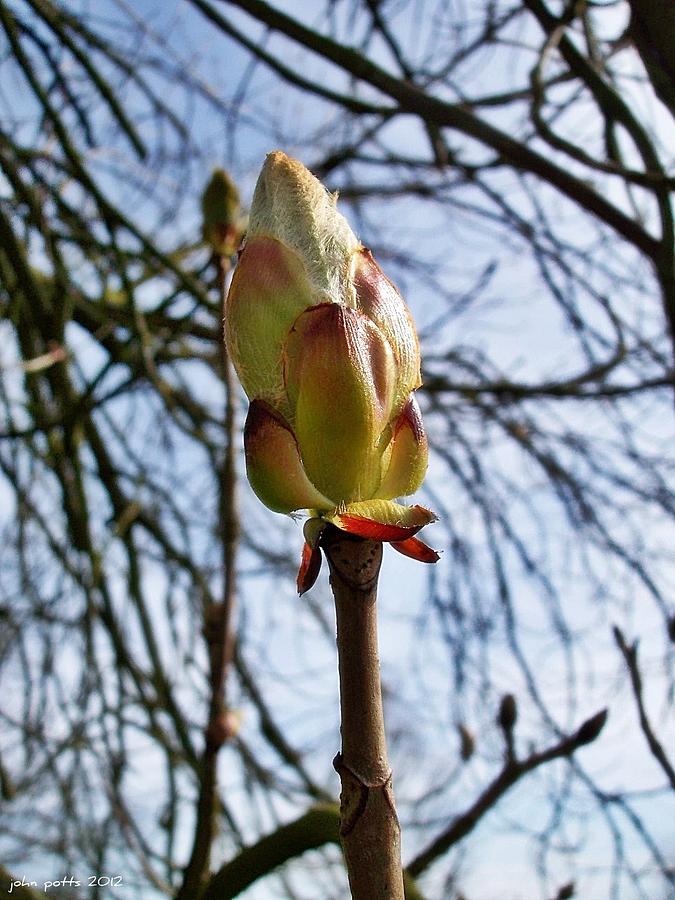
(326, 351)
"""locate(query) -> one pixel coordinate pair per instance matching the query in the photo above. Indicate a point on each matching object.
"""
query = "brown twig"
(629, 654)
(369, 828)
(219, 634)
(512, 771)
(316, 828)
(411, 99)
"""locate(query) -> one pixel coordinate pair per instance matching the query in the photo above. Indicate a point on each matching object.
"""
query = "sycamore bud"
(327, 353)
(221, 214)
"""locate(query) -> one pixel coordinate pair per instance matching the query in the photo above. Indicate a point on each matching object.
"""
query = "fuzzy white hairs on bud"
(292, 205)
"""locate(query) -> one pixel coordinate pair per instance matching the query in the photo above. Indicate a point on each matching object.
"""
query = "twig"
(271, 731)
(319, 826)
(219, 634)
(369, 828)
(412, 99)
(629, 654)
(512, 771)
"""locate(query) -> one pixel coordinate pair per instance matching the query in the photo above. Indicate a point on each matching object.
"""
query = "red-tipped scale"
(416, 549)
(310, 566)
(381, 520)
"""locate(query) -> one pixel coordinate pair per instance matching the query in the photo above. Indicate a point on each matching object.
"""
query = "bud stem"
(369, 828)
(219, 632)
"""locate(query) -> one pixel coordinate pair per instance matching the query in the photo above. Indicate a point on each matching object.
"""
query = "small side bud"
(467, 742)
(591, 728)
(506, 719)
(221, 214)
(223, 728)
(566, 891)
(508, 713)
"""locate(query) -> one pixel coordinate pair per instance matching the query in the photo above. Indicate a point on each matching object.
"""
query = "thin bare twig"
(219, 633)
(512, 771)
(629, 653)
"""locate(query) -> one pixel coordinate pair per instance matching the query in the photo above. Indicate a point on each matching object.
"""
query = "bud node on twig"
(360, 566)
(591, 728)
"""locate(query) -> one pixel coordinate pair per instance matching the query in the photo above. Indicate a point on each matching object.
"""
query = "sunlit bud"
(221, 214)
(327, 353)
